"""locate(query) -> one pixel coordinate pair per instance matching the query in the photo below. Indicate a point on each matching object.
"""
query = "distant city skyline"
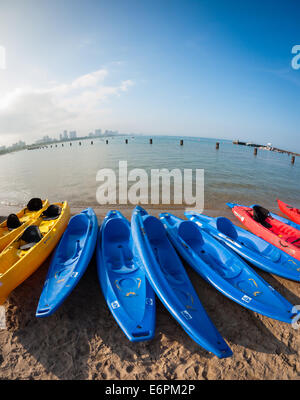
(217, 68)
(13, 147)
(71, 135)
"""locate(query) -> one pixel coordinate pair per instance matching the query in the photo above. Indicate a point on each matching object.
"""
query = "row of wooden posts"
(126, 141)
(181, 144)
(292, 159)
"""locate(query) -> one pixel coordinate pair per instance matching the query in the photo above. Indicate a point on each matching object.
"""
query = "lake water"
(231, 173)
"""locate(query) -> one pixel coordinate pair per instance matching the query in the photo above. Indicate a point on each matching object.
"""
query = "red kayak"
(292, 212)
(259, 221)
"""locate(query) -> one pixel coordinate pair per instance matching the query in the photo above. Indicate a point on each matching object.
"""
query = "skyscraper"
(65, 134)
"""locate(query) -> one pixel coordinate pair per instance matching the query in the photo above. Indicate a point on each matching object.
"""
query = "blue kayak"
(69, 262)
(275, 216)
(170, 281)
(126, 290)
(225, 270)
(252, 248)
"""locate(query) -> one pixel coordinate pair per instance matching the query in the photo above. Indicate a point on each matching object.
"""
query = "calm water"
(231, 174)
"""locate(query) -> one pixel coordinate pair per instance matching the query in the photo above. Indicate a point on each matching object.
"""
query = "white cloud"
(28, 113)
(91, 79)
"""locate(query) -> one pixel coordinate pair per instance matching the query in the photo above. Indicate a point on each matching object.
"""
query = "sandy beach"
(83, 341)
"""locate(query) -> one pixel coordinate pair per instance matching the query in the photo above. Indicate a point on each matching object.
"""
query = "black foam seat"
(35, 204)
(13, 221)
(52, 212)
(31, 236)
(260, 214)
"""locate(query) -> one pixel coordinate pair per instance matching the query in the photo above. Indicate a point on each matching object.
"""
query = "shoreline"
(101, 211)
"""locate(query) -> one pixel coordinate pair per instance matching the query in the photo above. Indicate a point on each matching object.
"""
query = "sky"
(206, 68)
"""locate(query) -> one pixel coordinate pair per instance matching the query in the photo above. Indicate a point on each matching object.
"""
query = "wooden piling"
(150, 141)
(79, 143)
(92, 142)
(106, 141)
(70, 144)
(126, 141)
(255, 151)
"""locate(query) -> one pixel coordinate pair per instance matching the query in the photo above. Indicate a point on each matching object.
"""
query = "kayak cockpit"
(117, 250)
(32, 235)
(198, 242)
(73, 242)
(225, 226)
(162, 250)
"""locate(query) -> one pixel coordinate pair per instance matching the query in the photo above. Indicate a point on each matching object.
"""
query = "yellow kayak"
(17, 223)
(32, 247)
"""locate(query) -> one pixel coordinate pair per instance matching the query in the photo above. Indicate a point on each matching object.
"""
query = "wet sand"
(83, 341)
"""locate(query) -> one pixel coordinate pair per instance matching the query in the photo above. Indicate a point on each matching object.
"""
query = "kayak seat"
(52, 212)
(155, 230)
(119, 257)
(32, 234)
(285, 232)
(272, 253)
(260, 214)
(189, 232)
(284, 229)
(227, 268)
(162, 250)
(171, 273)
(231, 268)
(73, 250)
(13, 221)
(72, 242)
(225, 226)
(251, 243)
(116, 230)
(34, 204)
(295, 210)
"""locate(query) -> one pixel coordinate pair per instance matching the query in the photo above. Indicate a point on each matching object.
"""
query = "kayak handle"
(184, 244)
(283, 245)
